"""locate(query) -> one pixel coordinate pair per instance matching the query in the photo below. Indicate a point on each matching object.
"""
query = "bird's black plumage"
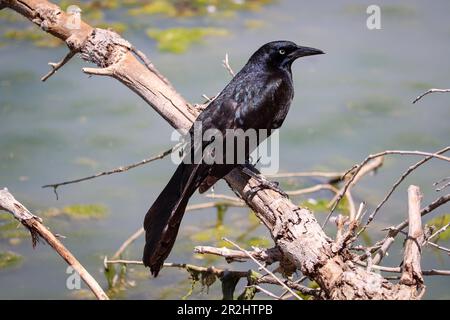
(258, 97)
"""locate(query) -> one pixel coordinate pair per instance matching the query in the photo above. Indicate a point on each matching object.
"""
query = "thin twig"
(138, 233)
(113, 171)
(435, 245)
(351, 180)
(321, 174)
(267, 292)
(387, 242)
(220, 272)
(226, 64)
(443, 187)
(264, 268)
(438, 232)
(224, 197)
(396, 184)
(429, 92)
(208, 99)
(58, 65)
(441, 181)
(431, 272)
(267, 255)
(298, 281)
(312, 189)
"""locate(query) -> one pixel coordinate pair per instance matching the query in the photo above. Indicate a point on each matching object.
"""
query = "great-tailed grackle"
(258, 97)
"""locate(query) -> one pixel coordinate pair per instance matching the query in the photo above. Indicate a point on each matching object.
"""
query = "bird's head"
(281, 54)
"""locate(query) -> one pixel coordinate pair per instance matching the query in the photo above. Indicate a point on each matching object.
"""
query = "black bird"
(258, 97)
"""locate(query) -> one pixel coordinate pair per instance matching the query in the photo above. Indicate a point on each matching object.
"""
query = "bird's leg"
(263, 183)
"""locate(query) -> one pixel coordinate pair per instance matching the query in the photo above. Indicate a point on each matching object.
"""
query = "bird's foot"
(263, 183)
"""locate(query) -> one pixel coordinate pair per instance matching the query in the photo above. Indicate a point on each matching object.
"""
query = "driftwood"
(295, 231)
(37, 229)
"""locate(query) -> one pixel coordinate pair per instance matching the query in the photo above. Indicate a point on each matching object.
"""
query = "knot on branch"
(104, 48)
(47, 15)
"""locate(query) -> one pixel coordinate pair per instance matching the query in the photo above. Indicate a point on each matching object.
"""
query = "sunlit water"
(351, 102)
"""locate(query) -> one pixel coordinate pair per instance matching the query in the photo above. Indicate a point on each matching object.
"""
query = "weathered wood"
(34, 224)
(412, 272)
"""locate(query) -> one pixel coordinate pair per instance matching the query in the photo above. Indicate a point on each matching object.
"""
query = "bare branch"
(435, 245)
(34, 224)
(113, 171)
(227, 66)
(264, 268)
(396, 184)
(443, 187)
(138, 233)
(429, 92)
(387, 242)
(98, 71)
(432, 272)
(359, 167)
(312, 189)
(267, 292)
(322, 174)
(58, 65)
(438, 232)
(220, 273)
(411, 270)
(268, 256)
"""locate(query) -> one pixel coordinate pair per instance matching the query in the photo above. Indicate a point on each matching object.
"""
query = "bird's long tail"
(163, 219)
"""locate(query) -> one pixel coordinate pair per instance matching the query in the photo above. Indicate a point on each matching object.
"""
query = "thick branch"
(412, 273)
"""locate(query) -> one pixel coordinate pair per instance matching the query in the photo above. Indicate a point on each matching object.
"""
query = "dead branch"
(35, 226)
(411, 270)
(352, 176)
(320, 174)
(384, 245)
(268, 256)
(226, 64)
(431, 272)
(266, 292)
(359, 167)
(429, 92)
(266, 279)
(207, 205)
(396, 184)
(57, 65)
(113, 171)
(313, 189)
(264, 268)
(411, 262)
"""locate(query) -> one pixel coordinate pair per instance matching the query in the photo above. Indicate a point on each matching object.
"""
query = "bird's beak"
(304, 51)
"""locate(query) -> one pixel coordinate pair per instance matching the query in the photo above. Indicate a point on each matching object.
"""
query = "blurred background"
(351, 102)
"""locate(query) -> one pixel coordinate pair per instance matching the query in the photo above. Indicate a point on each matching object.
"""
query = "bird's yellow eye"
(282, 51)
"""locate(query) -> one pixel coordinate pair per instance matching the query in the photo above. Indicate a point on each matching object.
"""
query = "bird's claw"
(263, 183)
(266, 184)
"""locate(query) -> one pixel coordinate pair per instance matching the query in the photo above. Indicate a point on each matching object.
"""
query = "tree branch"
(113, 171)
(411, 270)
(429, 92)
(35, 226)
